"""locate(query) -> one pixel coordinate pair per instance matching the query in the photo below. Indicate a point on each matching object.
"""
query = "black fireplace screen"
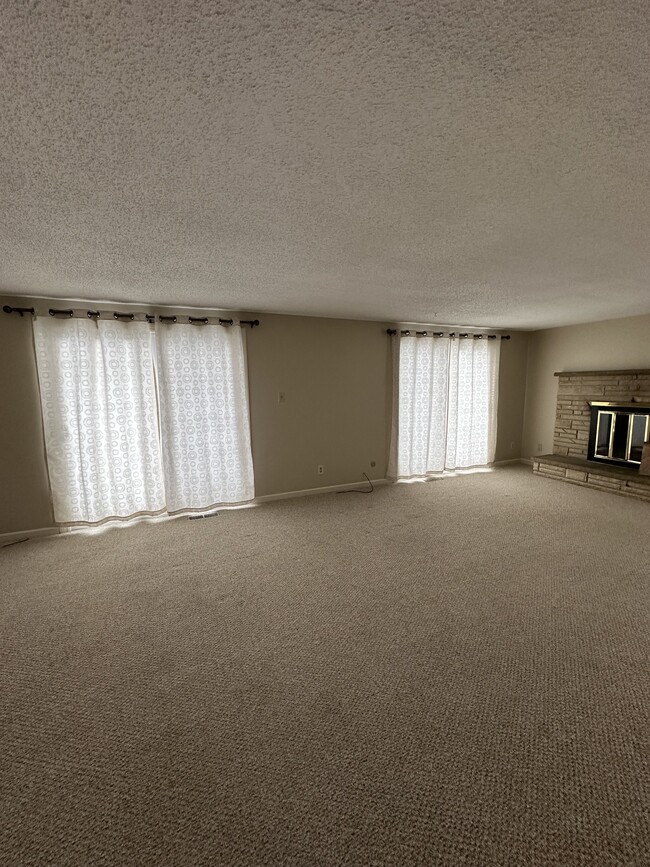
(617, 433)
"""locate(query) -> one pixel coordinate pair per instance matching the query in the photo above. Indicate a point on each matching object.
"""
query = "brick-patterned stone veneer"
(575, 390)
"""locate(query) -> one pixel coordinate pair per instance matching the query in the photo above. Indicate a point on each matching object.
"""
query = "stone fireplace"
(602, 421)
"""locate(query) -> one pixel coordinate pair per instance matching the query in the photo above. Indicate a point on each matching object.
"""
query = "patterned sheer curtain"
(98, 398)
(473, 401)
(204, 415)
(142, 422)
(445, 396)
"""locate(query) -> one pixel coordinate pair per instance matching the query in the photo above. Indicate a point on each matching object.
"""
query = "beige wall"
(24, 488)
(616, 344)
(512, 394)
(335, 376)
(336, 379)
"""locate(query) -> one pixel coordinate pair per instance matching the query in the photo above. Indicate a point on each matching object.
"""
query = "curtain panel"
(445, 399)
(142, 421)
(98, 399)
(204, 418)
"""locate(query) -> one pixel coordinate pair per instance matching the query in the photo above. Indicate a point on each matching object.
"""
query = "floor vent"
(205, 515)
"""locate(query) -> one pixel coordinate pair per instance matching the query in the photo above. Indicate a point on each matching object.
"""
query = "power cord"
(358, 490)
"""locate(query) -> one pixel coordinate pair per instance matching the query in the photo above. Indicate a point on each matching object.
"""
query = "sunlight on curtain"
(423, 366)
(100, 422)
(473, 401)
(445, 404)
(204, 415)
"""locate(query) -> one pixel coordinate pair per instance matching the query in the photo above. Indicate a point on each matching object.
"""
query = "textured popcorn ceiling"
(466, 162)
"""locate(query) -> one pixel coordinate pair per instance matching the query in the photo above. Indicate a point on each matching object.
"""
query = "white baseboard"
(329, 489)
(8, 538)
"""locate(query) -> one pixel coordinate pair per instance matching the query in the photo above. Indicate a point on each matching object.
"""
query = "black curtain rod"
(68, 313)
(20, 310)
(127, 317)
(407, 332)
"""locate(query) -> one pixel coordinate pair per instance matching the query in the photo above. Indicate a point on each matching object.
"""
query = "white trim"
(266, 498)
(308, 492)
(7, 538)
(128, 522)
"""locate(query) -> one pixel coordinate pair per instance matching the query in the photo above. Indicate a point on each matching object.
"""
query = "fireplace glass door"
(639, 434)
(620, 435)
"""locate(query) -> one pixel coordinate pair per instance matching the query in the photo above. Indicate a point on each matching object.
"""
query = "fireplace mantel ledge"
(629, 372)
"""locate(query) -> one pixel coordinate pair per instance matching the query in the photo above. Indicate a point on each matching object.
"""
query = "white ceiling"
(464, 162)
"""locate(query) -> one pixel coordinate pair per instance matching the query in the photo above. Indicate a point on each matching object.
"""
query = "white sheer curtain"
(421, 387)
(473, 402)
(445, 396)
(204, 415)
(98, 399)
(138, 421)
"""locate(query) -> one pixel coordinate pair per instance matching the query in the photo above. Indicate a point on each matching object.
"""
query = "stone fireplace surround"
(571, 435)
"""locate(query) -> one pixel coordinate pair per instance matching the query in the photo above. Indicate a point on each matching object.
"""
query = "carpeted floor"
(452, 673)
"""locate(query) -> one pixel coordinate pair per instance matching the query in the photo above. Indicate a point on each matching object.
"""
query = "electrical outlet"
(539, 448)
(321, 469)
(282, 398)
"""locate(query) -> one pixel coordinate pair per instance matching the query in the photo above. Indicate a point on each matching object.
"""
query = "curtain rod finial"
(20, 310)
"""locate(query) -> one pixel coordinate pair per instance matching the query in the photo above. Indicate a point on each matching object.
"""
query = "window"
(140, 420)
(445, 404)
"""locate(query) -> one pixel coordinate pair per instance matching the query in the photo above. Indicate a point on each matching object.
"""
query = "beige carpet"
(453, 673)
